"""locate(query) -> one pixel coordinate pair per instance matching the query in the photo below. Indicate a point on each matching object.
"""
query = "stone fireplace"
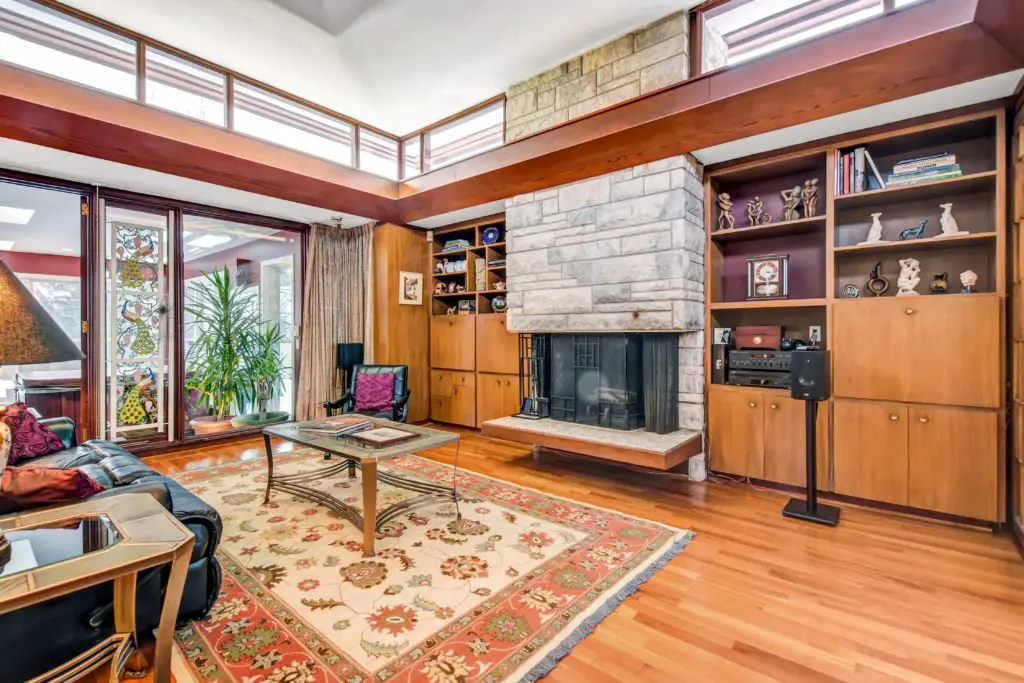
(614, 257)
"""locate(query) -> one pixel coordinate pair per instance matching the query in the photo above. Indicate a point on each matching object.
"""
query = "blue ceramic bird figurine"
(914, 233)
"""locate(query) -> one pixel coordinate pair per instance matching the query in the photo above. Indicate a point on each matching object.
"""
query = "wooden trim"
(140, 71)
(191, 208)
(456, 116)
(632, 456)
(229, 102)
(696, 40)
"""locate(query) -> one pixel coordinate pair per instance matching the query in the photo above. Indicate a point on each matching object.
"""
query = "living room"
(651, 333)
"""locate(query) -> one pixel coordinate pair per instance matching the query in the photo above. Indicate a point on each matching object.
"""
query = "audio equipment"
(778, 361)
(759, 337)
(719, 363)
(759, 378)
(809, 378)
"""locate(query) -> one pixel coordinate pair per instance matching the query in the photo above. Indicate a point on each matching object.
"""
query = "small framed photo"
(410, 288)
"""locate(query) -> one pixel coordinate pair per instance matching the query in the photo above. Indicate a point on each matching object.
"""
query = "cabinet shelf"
(460, 273)
(767, 303)
(936, 188)
(929, 243)
(453, 252)
(798, 227)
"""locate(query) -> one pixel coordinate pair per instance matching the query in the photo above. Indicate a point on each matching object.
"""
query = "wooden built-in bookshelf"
(915, 418)
(490, 257)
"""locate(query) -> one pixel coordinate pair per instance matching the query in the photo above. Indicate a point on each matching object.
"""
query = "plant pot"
(253, 419)
(210, 424)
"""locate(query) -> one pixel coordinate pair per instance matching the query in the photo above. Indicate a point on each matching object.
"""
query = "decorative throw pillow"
(29, 438)
(374, 392)
(5, 445)
(30, 486)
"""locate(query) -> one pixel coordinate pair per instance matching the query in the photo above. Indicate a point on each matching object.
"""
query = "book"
(874, 171)
(858, 169)
(924, 163)
(902, 182)
(381, 437)
(926, 172)
(337, 426)
(847, 167)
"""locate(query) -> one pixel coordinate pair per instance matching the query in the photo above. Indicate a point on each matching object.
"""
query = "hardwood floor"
(756, 597)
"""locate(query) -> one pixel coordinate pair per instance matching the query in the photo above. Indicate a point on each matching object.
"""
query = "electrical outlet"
(430, 236)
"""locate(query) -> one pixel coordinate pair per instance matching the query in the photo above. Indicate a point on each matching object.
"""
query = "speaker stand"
(809, 510)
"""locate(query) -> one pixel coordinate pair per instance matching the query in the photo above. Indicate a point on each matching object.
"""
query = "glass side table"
(61, 550)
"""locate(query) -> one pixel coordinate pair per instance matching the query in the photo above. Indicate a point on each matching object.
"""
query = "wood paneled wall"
(402, 333)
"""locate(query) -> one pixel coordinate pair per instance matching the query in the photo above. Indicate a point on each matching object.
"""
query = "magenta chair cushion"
(374, 392)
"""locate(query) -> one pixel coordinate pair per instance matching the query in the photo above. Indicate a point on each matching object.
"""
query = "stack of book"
(337, 426)
(925, 169)
(856, 172)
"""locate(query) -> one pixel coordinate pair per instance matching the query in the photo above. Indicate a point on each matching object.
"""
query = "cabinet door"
(453, 342)
(462, 406)
(497, 349)
(953, 356)
(870, 348)
(736, 432)
(869, 452)
(785, 442)
(496, 396)
(954, 461)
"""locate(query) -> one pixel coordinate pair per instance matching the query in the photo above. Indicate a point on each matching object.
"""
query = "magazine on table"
(380, 437)
(337, 426)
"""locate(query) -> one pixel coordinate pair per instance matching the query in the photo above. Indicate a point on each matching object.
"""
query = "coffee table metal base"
(298, 486)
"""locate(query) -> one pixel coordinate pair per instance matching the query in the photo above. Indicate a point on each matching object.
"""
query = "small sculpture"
(439, 289)
(948, 223)
(459, 289)
(790, 201)
(439, 266)
(968, 279)
(452, 310)
(914, 233)
(851, 291)
(877, 284)
(725, 219)
(498, 304)
(910, 277)
(875, 232)
(451, 287)
(811, 198)
(499, 284)
(940, 284)
(756, 215)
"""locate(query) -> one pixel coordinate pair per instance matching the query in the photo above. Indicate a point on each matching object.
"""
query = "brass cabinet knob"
(753, 405)
(924, 420)
(909, 311)
(894, 418)
(774, 407)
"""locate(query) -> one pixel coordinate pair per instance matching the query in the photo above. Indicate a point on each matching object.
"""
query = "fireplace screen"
(597, 379)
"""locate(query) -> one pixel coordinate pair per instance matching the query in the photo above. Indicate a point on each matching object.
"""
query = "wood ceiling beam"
(920, 49)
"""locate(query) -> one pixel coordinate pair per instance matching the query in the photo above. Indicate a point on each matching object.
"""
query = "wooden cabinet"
(496, 396)
(785, 441)
(497, 349)
(736, 432)
(870, 451)
(935, 350)
(954, 461)
(453, 397)
(453, 342)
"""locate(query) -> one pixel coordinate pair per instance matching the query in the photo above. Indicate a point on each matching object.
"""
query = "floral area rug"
(499, 596)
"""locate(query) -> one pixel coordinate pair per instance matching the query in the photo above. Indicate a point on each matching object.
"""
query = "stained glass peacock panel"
(137, 394)
(135, 248)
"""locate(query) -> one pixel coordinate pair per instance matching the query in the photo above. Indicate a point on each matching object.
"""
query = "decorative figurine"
(725, 219)
(790, 201)
(914, 233)
(499, 284)
(877, 284)
(811, 198)
(460, 289)
(910, 277)
(498, 304)
(439, 289)
(451, 287)
(756, 215)
(452, 310)
(968, 279)
(439, 266)
(948, 223)
(490, 235)
(851, 291)
(875, 232)
(940, 284)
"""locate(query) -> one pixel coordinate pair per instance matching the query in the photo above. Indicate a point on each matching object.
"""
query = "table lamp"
(349, 356)
(28, 335)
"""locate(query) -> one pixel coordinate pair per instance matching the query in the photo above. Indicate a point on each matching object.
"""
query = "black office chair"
(399, 408)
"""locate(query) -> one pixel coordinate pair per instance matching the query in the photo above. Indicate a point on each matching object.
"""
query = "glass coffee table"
(62, 550)
(354, 455)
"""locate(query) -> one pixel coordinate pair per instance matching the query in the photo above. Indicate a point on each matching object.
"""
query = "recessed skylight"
(10, 214)
(6, 245)
(209, 241)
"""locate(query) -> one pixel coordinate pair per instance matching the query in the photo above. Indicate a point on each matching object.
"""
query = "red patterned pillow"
(375, 392)
(29, 438)
(28, 486)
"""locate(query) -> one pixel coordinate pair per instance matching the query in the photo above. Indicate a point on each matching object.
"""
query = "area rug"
(500, 595)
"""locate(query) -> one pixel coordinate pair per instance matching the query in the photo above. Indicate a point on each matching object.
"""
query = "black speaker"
(808, 375)
(349, 355)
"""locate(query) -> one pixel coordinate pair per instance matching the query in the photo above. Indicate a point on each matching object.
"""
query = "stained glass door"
(138, 361)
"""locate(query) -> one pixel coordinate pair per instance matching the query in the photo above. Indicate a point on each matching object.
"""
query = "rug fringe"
(546, 665)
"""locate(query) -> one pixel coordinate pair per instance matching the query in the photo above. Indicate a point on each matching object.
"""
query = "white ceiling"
(55, 227)
(395, 64)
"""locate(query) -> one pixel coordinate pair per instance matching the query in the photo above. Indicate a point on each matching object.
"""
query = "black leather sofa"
(398, 411)
(39, 637)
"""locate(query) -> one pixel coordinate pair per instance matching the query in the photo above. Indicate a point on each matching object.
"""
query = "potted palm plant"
(226, 317)
(265, 371)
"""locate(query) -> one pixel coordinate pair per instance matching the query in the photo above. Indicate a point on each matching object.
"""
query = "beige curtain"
(338, 307)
